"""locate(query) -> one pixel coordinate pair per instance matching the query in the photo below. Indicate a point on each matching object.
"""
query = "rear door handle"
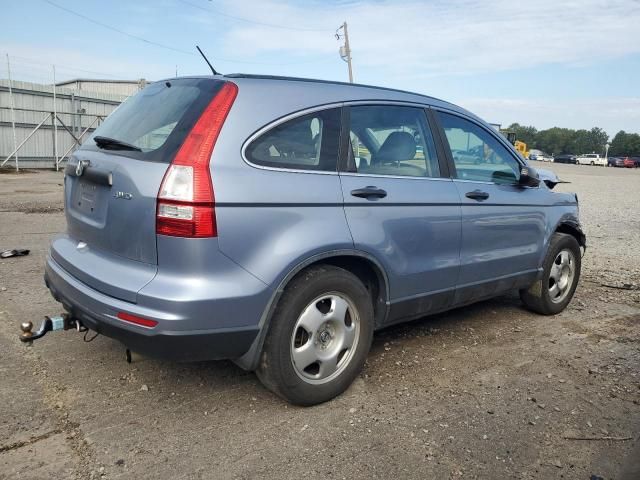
(477, 195)
(369, 192)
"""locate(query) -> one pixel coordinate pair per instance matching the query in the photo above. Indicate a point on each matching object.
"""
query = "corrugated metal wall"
(117, 87)
(32, 102)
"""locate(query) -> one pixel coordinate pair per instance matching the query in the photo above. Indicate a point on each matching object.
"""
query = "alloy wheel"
(561, 275)
(325, 338)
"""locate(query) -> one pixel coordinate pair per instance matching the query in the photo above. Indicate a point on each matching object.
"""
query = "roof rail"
(329, 82)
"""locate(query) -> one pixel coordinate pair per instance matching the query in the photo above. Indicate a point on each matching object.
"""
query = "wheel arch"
(360, 263)
(573, 228)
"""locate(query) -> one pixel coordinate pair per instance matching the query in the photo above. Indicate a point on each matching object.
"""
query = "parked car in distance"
(592, 159)
(615, 162)
(631, 162)
(541, 157)
(309, 243)
(566, 158)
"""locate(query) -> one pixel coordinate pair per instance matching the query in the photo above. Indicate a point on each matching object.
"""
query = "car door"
(401, 206)
(503, 223)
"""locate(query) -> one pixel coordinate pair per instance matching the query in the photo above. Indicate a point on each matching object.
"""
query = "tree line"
(557, 140)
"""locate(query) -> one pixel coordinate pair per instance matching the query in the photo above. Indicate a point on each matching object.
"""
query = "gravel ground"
(486, 391)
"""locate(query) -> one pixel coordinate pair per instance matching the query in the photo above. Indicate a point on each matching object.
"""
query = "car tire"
(319, 336)
(561, 272)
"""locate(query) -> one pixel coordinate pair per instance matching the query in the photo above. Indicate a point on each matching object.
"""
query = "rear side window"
(309, 142)
(158, 118)
(391, 140)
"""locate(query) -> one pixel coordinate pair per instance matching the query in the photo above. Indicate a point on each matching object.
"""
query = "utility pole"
(345, 50)
(13, 113)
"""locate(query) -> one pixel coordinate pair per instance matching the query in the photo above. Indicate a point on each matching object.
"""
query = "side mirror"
(529, 177)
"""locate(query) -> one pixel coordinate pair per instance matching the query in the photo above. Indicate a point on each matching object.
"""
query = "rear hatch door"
(112, 182)
(110, 205)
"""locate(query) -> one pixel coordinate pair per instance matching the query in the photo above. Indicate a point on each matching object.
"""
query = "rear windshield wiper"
(114, 144)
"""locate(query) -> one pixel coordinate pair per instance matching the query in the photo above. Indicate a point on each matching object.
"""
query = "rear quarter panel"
(271, 220)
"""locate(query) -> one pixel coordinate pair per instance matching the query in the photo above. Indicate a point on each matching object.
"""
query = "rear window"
(158, 118)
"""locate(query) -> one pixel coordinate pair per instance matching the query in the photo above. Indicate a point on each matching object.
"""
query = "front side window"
(391, 140)
(309, 142)
(477, 154)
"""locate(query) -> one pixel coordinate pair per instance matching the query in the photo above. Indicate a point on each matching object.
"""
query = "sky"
(566, 63)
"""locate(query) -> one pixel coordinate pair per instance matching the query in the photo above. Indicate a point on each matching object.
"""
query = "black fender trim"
(572, 227)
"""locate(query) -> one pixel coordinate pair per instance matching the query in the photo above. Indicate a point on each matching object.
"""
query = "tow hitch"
(49, 324)
(59, 322)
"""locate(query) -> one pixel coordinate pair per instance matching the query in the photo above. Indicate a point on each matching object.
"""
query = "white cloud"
(403, 43)
(34, 63)
(445, 37)
(410, 42)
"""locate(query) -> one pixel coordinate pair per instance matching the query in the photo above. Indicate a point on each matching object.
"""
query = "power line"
(247, 20)
(104, 25)
(47, 65)
(156, 44)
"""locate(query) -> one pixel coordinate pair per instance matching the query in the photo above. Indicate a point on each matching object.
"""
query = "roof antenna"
(208, 62)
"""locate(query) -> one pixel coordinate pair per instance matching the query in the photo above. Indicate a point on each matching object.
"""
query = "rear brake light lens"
(145, 322)
(186, 204)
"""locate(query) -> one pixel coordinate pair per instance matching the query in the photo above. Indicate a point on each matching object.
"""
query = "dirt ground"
(486, 391)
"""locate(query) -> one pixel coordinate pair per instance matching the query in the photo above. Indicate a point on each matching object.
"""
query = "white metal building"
(111, 87)
(77, 110)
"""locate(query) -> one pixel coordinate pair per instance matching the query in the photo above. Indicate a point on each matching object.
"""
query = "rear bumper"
(174, 337)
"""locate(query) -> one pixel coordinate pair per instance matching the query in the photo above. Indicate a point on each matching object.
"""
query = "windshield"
(157, 119)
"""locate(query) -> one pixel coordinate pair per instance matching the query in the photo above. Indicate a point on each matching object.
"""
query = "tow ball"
(59, 322)
(49, 324)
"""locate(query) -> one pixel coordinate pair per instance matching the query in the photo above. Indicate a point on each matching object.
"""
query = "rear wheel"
(561, 272)
(319, 337)
(592, 163)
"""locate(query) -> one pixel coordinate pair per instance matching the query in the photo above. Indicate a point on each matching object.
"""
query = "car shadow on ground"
(224, 374)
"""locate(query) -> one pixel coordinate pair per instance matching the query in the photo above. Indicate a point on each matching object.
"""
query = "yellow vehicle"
(521, 147)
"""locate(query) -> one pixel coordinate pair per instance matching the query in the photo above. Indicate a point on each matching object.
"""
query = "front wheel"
(319, 336)
(561, 272)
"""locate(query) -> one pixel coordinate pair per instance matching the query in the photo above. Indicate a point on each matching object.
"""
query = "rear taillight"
(186, 204)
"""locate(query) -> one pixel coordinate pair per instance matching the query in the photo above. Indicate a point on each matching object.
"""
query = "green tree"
(581, 143)
(597, 139)
(556, 140)
(624, 143)
(565, 140)
(524, 134)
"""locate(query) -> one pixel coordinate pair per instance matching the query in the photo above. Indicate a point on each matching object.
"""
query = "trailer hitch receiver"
(49, 324)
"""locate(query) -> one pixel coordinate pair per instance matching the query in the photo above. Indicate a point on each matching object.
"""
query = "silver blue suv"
(279, 222)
